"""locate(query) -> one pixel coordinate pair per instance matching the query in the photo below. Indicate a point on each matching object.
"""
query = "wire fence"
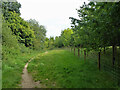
(105, 63)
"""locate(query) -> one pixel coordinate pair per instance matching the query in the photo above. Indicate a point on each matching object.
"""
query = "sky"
(53, 14)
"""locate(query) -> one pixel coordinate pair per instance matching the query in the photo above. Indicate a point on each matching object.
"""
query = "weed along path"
(59, 68)
(27, 81)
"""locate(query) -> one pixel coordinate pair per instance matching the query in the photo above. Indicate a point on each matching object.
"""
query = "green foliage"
(21, 29)
(51, 43)
(10, 7)
(17, 39)
(8, 39)
(46, 42)
(58, 42)
(65, 39)
(18, 36)
(14, 57)
(98, 25)
(40, 33)
(66, 35)
(30, 33)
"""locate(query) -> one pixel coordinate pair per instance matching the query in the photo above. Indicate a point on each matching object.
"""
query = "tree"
(58, 42)
(51, 43)
(40, 33)
(46, 42)
(8, 39)
(97, 28)
(66, 36)
(21, 29)
(10, 7)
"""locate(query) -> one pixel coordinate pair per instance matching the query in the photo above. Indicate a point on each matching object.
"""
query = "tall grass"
(14, 57)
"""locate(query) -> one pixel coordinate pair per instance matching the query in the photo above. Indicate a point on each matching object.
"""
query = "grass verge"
(13, 64)
(60, 68)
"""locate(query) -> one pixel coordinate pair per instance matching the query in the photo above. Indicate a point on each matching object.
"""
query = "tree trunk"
(113, 59)
(99, 60)
(81, 51)
(118, 59)
(118, 69)
(104, 50)
(116, 50)
(84, 54)
(78, 52)
(74, 51)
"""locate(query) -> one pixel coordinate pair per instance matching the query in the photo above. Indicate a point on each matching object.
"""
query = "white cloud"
(53, 14)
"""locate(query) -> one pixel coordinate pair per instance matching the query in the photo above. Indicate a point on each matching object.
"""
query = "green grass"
(13, 64)
(60, 68)
(106, 60)
(0, 74)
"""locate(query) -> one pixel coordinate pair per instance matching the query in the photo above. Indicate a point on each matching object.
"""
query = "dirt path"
(27, 81)
(46, 52)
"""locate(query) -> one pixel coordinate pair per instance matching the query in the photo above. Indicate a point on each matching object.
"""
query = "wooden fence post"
(104, 50)
(74, 51)
(99, 60)
(78, 52)
(84, 54)
(113, 58)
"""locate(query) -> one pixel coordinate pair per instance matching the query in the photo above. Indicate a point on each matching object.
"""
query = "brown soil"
(27, 81)
(46, 52)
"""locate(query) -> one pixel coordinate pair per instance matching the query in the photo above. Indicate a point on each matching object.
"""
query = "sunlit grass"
(60, 68)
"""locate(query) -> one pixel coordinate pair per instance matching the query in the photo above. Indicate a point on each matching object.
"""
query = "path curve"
(27, 81)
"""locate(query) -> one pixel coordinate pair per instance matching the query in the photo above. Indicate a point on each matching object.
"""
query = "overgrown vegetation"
(14, 57)
(20, 42)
